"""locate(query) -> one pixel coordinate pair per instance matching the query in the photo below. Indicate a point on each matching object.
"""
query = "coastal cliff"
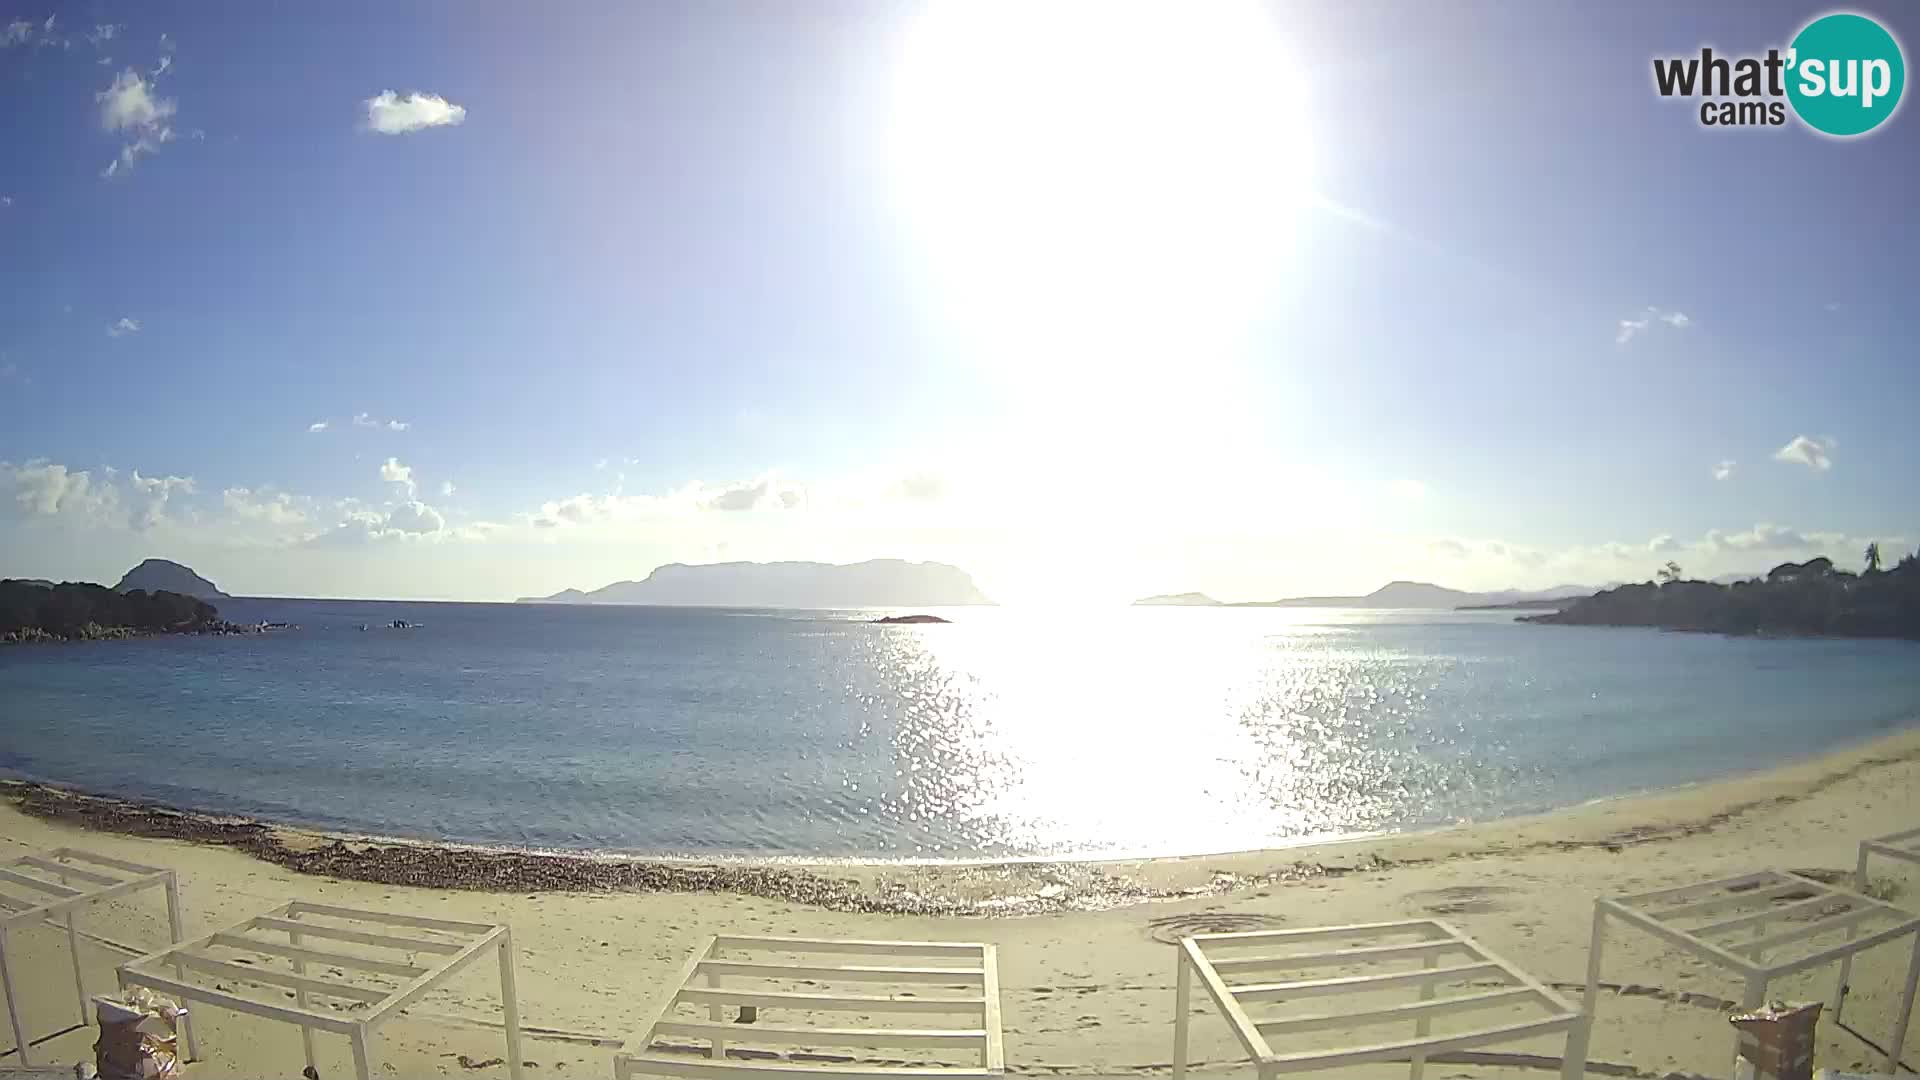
(1797, 599)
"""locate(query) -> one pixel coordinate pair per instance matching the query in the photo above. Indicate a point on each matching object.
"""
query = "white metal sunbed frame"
(969, 966)
(1904, 846)
(55, 885)
(1726, 922)
(412, 961)
(1447, 955)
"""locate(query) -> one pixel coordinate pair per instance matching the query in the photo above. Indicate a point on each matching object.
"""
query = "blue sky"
(1093, 302)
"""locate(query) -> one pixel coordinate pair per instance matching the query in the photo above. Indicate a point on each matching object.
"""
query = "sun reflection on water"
(1024, 734)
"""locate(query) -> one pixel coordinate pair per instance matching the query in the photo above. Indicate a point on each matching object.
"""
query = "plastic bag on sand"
(137, 1036)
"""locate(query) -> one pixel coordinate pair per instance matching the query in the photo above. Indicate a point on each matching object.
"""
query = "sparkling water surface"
(1007, 733)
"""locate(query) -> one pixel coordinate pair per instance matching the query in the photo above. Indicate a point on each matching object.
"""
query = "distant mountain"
(1394, 594)
(875, 583)
(159, 575)
(41, 582)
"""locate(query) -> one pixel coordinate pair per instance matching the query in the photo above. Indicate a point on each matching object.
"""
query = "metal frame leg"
(1839, 997)
(179, 971)
(362, 1060)
(717, 1013)
(1574, 1063)
(300, 996)
(510, 999)
(1182, 1009)
(1906, 1010)
(1423, 1027)
(13, 1003)
(73, 950)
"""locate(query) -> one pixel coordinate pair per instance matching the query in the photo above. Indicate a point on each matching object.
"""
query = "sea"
(1006, 733)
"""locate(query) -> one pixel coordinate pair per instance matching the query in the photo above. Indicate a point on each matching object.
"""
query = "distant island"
(893, 583)
(1185, 599)
(31, 610)
(163, 576)
(1809, 598)
(910, 620)
(1394, 594)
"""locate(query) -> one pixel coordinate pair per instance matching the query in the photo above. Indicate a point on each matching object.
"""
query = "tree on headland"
(1873, 557)
(1669, 573)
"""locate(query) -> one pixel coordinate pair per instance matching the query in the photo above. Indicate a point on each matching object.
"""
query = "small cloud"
(124, 327)
(1663, 544)
(398, 425)
(6, 200)
(363, 420)
(1833, 305)
(166, 43)
(161, 68)
(416, 517)
(600, 465)
(1808, 451)
(103, 32)
(1450, 549)
(1724, 469)
(395, 473)
(317, 425)
(129, 107)
(390, 114)
(14, 33)
(446, 489)
(1631, 328)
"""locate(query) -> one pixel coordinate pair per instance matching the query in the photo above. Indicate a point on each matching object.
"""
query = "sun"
(1100, 187)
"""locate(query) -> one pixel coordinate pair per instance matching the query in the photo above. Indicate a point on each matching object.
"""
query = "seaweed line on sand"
(993, 889)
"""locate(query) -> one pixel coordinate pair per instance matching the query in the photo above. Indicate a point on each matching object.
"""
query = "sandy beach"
(1085, 957)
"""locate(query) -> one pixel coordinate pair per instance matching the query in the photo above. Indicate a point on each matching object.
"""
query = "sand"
(1086, 973)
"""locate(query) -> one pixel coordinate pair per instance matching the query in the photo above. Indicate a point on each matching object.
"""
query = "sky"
(457, 301)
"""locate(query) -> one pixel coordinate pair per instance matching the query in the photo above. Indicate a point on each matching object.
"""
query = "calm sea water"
(1136, 731)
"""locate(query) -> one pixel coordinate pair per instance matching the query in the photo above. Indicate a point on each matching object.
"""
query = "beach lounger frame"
(1747, 903)
(927, 964)
(1446, 955)
(304, 933)
(83, 878)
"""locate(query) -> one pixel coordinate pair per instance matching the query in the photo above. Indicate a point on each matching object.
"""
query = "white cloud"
(162, 484)
(766, 493)
(129, 107)
(395, 473)
(1724, 469)
(14, 33)
(417, 518)
(363, 420)
(390, 114)
(156, 491)
(45, 489)
(1808, 451)
(166, 43)
(103, 32)
(160, 68)
(446, 489)
(398, 425)
(6, 200)
(1630, 328)
(272, 508)
(1449, 548)
(1662, 544)
(124, 327)
(317, 425)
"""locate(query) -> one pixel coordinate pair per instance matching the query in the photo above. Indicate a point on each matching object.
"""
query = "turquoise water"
(1133, 731)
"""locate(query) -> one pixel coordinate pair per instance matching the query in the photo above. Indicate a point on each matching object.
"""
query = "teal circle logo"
(1845, 74)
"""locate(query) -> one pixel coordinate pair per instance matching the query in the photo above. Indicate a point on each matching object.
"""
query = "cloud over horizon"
(390, 114)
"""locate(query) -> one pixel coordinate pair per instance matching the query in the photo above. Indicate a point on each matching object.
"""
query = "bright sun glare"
(1101, 196)
(1125, 172)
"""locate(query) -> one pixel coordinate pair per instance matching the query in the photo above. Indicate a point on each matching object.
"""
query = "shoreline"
(984, 887)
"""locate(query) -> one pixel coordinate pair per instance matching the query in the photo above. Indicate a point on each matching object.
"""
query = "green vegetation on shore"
(1810, 598)
(82, 611)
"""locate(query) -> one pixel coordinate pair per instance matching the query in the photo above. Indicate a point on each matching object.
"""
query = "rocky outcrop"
(160, 575)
